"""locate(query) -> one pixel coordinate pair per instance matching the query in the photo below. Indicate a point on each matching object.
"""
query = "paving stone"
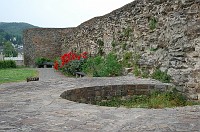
(37, 106)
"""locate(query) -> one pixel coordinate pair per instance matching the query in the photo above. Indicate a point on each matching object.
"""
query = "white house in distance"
(1, 56)
(19, 59)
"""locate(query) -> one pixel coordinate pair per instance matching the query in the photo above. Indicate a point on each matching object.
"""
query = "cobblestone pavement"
(37, 107)
(49, 73)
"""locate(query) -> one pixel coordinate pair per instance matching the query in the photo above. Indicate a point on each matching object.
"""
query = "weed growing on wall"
(136, 71)
(113, 43)
(124, 46)
(144, 73)
(126, 32)
(127, 60)
(100, 48)
(152, 23)
(153, 49)
(161, 76)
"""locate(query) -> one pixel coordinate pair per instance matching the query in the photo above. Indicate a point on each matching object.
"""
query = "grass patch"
(155, 100)
(161, 76)
(16, 74)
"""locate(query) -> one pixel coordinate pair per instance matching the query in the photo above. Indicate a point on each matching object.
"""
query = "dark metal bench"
(28, 79)
(80, 74)
(48, 64)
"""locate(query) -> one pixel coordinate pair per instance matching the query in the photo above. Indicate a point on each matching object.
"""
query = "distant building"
(19, 59)
(1, 49)
(1, 56)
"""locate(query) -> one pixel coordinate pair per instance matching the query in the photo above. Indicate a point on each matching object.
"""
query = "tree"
(9, 50)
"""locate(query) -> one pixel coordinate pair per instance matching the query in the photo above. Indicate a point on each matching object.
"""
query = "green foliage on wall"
(124, 46)
(152, 23)
(113, 43)
(161, 76)
(127, 60)
(100, 48)
(127, 31)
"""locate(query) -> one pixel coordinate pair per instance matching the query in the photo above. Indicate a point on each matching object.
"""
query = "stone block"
(141, 92)
(97, 93)
(193, 96)
(73, 97)
(98, 98)
(130, 92)
(142, 86)
(191, 85)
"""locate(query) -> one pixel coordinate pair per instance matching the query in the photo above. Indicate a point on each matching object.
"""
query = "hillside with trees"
(14, 28)
(11, 37)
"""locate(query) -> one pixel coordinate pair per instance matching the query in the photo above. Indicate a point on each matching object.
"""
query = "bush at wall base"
(40, 62)
(7, 64)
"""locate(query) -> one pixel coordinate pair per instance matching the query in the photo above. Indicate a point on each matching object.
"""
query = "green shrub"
(112, 66)
(41, 60)
(161, 76)
(73, 66)
(93, 65)
(155, 99)
(167, 99)
(7, 64)
(103, 67)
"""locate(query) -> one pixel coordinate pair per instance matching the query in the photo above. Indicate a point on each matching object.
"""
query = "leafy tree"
(9, 50)
(9, 31)
(7, 37)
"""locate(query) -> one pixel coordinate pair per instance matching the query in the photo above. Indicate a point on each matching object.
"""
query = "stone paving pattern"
(38, 107)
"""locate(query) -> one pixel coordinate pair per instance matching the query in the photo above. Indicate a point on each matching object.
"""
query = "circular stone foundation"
(92, 94)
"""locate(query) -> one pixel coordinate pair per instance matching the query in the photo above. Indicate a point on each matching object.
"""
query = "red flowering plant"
(70, 62)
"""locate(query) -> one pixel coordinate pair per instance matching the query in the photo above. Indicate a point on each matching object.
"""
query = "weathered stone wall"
(42, 42)
(165, 33)
(97, 93)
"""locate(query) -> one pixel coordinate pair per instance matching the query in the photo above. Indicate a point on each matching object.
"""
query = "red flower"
(79, 57)
(67, 57)
(56, 65)
(84, 55)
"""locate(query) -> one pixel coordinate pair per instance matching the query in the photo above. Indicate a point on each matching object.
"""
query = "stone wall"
(164, 33)
(97, 93)
(42, 42)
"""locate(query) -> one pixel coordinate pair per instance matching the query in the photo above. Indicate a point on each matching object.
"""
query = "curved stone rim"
(91, 94)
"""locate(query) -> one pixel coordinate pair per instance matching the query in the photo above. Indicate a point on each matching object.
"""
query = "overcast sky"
(56, 13)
